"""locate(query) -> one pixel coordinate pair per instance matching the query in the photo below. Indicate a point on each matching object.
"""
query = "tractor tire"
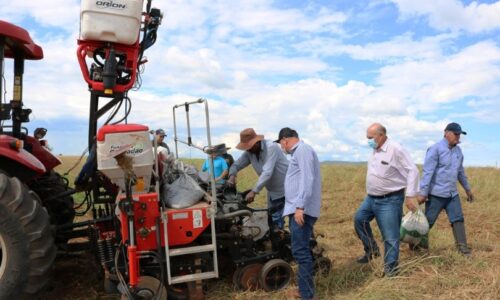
(61, 210)
(27, 249)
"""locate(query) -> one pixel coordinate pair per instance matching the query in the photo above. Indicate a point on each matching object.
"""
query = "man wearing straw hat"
(270, 164)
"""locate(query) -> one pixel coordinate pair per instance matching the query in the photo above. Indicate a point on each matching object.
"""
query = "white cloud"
(453, 15)
(398, 48)
(57, 13)
(472, 72)
(248, 16)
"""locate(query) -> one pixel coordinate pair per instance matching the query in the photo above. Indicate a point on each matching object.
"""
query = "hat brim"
(246, 146)
(459, 132)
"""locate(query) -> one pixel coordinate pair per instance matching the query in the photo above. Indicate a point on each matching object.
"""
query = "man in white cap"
(270, 164)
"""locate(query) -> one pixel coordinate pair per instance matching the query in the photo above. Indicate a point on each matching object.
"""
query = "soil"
(77, 277)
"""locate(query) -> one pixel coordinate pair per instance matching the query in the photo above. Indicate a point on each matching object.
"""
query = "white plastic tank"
(117, 21)
(132, 140)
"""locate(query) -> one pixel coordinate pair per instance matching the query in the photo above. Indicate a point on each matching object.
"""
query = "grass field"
(439, 274)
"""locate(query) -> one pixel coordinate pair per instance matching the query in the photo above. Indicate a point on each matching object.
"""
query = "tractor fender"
(11, 159)
(49, 160)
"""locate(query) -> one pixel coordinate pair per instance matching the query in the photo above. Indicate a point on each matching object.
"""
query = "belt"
(401, 191)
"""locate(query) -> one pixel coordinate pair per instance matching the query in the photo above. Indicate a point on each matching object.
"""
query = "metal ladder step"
(191, 250)
(192, 277)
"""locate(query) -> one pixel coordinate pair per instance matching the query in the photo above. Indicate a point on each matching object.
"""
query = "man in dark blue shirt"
(443, 167)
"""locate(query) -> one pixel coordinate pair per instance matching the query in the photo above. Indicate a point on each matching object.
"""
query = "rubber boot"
(461, 239)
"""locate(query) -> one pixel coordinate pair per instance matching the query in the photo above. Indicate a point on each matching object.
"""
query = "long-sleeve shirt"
(390, 168)
(443, 166)
(303, 181)
(271, 167)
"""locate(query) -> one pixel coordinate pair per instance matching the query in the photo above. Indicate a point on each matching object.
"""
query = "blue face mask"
(372, 143)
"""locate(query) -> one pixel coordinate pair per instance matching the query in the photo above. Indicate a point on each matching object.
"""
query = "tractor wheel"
(27, 250)
(276, 274)
(60, 209)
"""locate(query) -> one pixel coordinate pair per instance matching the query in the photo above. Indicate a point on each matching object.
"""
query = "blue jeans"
(388, 212)
(276, 207)
(301, 251)
(452, 205)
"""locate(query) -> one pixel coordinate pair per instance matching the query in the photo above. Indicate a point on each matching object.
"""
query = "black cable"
(114, 112)
(119, 274)
(77, 162)
(127, 112)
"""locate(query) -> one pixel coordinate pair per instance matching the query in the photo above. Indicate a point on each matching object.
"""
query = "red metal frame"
(184, 225)
(87, 48)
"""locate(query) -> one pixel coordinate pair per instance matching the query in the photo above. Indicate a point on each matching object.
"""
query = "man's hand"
(411, 203)
(421, 199)
(299, 216)
(470, 196)
(250, 197)
(231, 181)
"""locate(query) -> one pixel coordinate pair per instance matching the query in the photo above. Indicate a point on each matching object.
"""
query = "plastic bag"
(182, 192)
(413, 227)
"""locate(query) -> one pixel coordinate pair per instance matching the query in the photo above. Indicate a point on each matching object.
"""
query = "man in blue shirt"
(443, 167)
(302, 204)
(220, 165)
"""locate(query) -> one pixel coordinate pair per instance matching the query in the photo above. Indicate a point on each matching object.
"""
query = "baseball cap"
(160, 132)
(454, 127)
(286, 132)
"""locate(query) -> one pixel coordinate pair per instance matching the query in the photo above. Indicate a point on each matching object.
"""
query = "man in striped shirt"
(390, 176)
(302, 204)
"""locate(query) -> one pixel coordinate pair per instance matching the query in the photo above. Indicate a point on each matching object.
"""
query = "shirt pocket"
(383, 168)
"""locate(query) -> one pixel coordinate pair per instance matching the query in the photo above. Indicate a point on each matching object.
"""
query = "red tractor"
(34, 198)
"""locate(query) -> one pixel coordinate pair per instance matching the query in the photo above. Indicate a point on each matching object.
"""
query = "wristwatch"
(301, 208)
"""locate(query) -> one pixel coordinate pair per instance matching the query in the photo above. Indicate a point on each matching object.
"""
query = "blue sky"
(326, 68)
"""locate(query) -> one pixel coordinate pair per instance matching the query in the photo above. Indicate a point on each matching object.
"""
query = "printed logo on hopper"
(110, 4)
(127, 148)
(137, 149)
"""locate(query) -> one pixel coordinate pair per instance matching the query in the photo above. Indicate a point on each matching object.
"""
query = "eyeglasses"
(456, 133)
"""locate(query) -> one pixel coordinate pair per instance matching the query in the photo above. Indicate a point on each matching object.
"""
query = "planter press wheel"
(322, 266)
(275, 275)
(148, 288)
(236, 278)
(249, 277)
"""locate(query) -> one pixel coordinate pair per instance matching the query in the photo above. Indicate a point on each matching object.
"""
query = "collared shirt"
(303, 181)
(220, 166)
(390, 169)
(442, 168)
(271, 167)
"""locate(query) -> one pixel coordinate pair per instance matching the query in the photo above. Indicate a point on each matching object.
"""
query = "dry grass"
(440, 274)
